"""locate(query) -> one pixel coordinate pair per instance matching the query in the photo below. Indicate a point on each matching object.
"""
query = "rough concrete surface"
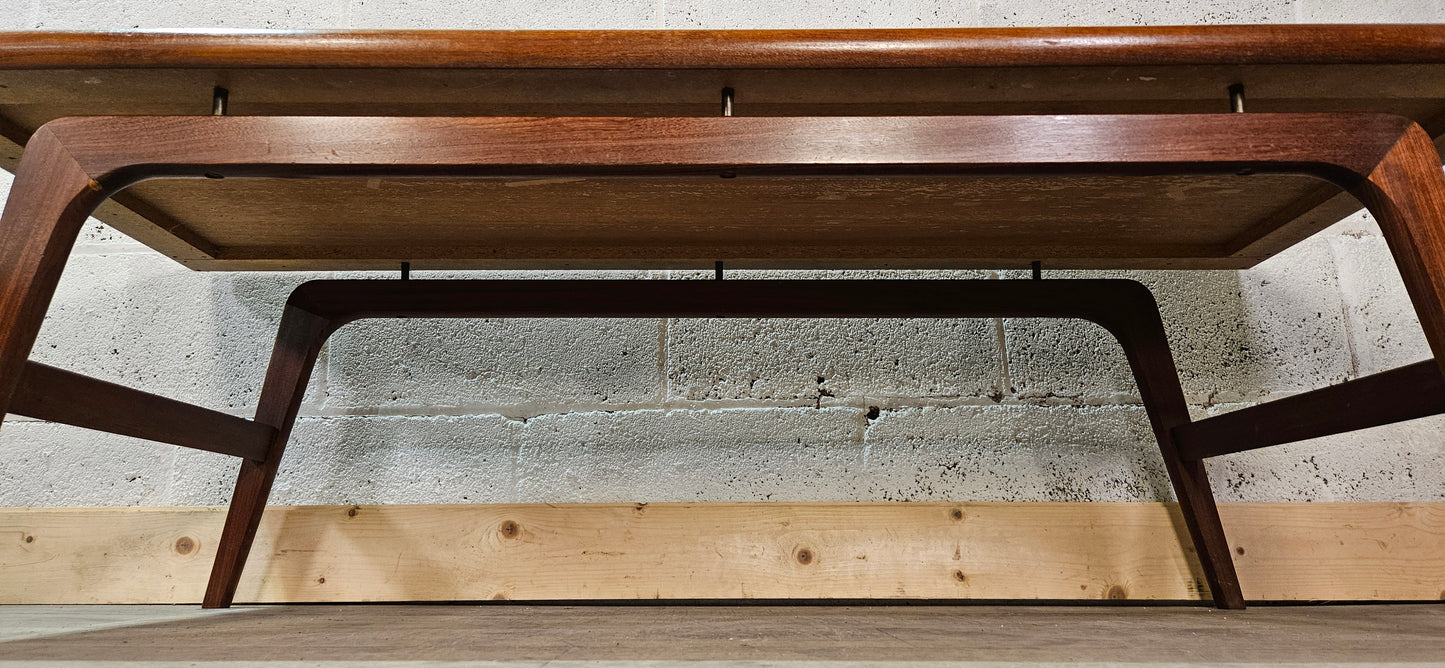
(724, 410)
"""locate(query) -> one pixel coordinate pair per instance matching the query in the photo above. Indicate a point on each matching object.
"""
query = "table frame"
(71, 165)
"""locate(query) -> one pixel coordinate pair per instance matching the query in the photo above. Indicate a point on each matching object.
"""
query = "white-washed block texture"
(144, 321)
(1384, 330)
(520, 366)
(133, 14)
(504, 14)
(735, 14)
(1296, 322)
(1014, 453)
(44, 464)
(692, 455)
(1115, 13)
(854, 361)
(1359, 224)
(1374, 11)
(98, 238)
(371, 459)
(18, 15)
(1277, 328)
(820, 362)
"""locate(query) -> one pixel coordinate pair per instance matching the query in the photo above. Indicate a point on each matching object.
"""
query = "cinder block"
(1358, 224)
(692, 455)
(369, 460)
(1375, 11)
(1296, 334)
(521, 366)
(505, 14)
(1065, 361)
(132, 14)
(144, 321)
(819, 14)
(18, 15)
(1275, 328)
(841, 361)
(1384, 331)
(793, 361)
(54, 465)
(98, 238)
(1014, 453)
(1112, 13)
(1399, 462)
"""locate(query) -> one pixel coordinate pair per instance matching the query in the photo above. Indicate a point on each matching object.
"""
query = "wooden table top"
(528, 222)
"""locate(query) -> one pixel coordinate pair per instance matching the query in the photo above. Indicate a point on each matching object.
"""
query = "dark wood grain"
(298, 341)
(607, 49)
(122, 150)
(1405, 191)
(1131, 70)
(1133, 318)
(48, 202)
(48, 393)
(1406, 393)
(842, 219)
(1125, 308)
(1332, 147)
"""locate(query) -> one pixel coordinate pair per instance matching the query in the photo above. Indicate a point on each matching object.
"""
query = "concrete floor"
(754, 635)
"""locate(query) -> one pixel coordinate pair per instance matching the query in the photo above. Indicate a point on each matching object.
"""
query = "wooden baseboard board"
(1288, 552)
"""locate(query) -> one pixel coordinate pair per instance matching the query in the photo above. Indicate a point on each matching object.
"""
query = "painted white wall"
(649, 410)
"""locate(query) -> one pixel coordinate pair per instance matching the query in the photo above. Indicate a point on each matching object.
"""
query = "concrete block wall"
(736, 410)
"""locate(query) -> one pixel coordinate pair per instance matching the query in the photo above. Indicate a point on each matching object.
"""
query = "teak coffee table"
(1169, 148)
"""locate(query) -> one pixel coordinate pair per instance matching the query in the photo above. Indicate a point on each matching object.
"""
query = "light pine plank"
(1317, 551)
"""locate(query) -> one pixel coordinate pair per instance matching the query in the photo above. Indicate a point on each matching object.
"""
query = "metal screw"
(1236, 98)
(220, 100)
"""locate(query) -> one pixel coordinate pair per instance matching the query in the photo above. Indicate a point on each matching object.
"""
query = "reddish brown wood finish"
(1406, 393)
(659, 49)
(1124, 308)
(48, 393)
(48, 202)
(298, 342)
(1179, 70)
(1386, 160)
(1337, 147)
(1405, 191)
(1137, 326)
(1330, 146)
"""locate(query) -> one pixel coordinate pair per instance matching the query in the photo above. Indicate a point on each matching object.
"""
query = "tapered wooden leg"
(1136, 323)
(298, 342)
(1406, 193)
(49, 201)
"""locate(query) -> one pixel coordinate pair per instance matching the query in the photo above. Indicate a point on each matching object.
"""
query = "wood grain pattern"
(866, 219)
(785, 151)
(1406, 393)
(1180, 70)
(1133, 319)
(733, 633)
(1405, 190)
(1287, 552)
(597, 49)
(298, 342)
(48, 202)
(57, 395)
